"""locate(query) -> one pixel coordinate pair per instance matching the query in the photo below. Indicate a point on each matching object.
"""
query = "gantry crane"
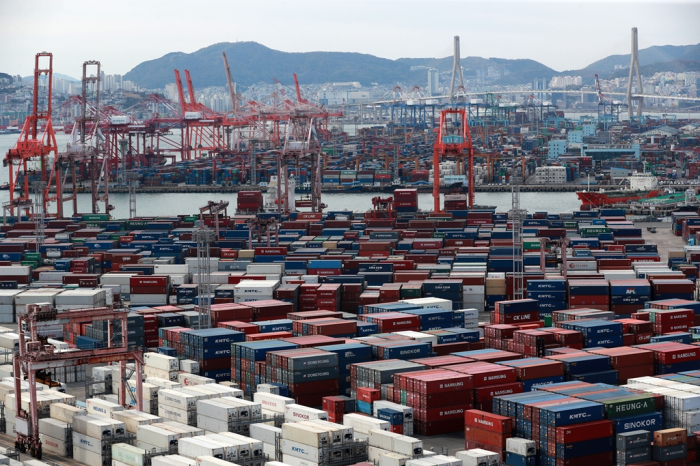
(455, 140)
(36, 141)
(32, 357)
(214, 208)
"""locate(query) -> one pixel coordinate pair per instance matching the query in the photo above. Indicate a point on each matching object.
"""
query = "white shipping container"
(296, 412)
(176, 414)
(306, 434)
(102, 408)
(161, 361)
(374, 453)
(54, 445)
(9, 340)
(296, 461)
(7, 297)
(173, 460)
(90, 444)
(128, 454)
(272, 402)
(84, 456)
(177, 399)
(211, 461)
(212, 425)
(162, 383)
(161, 374)
(364, 424)
(339, 433)
(381, 439)
(521, 446)
(54, 428)
(265, 269)
(247, 409)
(64, 412)
(190, 366)
(198, 446)
(132, 421)
(93, 426)
(149, 299)
(429, 303)
(478, 457)
(407, 445)
(159, 438)
(393, 459)
(217, 410)
(15, 270)
(304, 451)
(264, 432)
(255, 288)
(191, 379)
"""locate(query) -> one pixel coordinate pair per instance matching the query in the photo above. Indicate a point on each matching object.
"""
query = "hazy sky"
(563, 34)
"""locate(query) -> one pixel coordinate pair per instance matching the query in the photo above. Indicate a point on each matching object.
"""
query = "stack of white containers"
(41, 295)
(363, 424)
(133, 418)
(471, 316)
(390, 448)
(478, 457)
(225, 414)
(161, 366)
(7, 306)
(681, 401)
(187, 380)
(267, 434)
(16, 270)
(474, 296)
(44, 398)
(225, 446)
(84, 298)
(429, 303)
(180, 404)
(314, 442)
(179, 273)
(91, 435)
(55, 437)
(255, 290)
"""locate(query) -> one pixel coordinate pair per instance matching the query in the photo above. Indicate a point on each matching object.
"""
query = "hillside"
(254, 63)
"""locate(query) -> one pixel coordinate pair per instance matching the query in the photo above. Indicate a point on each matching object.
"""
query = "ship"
(640, 186)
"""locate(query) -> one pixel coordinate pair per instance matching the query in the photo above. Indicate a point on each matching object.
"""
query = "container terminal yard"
(281, 331)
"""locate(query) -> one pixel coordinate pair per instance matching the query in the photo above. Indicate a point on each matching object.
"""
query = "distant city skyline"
(563, 35)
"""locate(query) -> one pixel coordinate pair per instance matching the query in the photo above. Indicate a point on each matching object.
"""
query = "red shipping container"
(488, 421)
(585, 431)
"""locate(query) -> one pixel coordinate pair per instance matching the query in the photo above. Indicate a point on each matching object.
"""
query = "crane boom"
(296, 84)
(231, 85)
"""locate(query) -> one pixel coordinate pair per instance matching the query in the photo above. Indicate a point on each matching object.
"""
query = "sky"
(563, 34)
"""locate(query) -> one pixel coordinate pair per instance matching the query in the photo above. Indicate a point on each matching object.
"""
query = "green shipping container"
(593, 231)
(32, 256)
(625, 406)
(568, 225)
(531, 245)
(95, 217)
(190, 218)
(438, 234)
(410, 291)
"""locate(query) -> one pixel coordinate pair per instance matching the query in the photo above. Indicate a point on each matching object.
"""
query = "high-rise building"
(433, 82)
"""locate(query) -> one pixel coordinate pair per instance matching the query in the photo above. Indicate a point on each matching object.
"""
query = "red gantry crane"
(36, 141)
(454, 140)
(33, 357)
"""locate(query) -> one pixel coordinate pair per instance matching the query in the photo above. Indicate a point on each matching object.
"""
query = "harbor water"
(148, 204)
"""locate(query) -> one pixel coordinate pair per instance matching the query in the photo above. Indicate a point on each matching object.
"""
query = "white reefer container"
(231, 447)
(93, 426)
(407, 445)
(296, 412)
(199, 446)
(173, 460)
(102, 408)
(192, 379)
(264, 432)
(180, 415)
(84, 456)
(253, 446)
(478, 457)
(255, 288)
(381, 439)
(303, 451)
(307, 434)
(128, 454)
(159, 438)
(54, 428)
(296, 461)
(163, 383)
(364, 424)
(393, 459)
(211, 461)
(247, 409)
(64, 412)
(177, 399)
(272, 402)
(217, 410)
(131, 421)
(339, 433)
(212, 425)
(90, 444)
(161, 361)
(521, 446)
(54, 445)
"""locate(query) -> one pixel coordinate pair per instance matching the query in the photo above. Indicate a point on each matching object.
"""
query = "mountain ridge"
(252, 63)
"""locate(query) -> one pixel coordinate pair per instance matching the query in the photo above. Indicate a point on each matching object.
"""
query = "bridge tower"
(456, 72)
(634, 69)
